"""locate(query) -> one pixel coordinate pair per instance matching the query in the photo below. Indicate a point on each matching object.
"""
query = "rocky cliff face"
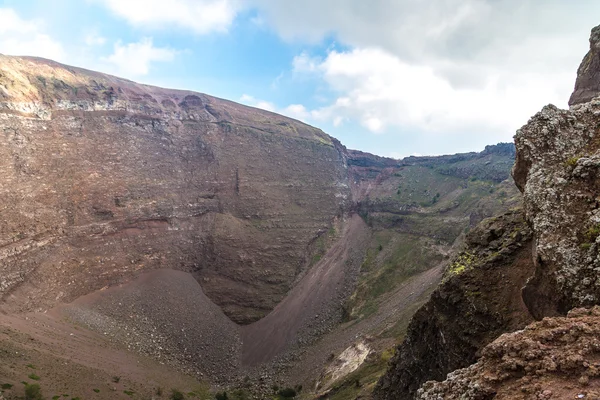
(102, 178)
(477, 300)
(557, 168)
(587, 85)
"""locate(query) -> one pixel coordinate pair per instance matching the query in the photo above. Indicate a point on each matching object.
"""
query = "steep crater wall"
(102, 178)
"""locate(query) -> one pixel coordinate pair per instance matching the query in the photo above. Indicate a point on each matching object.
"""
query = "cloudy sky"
(393, 77)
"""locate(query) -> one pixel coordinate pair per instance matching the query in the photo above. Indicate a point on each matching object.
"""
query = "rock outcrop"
(557, 168)
(587, 85)
(556, 358)
(478, 299)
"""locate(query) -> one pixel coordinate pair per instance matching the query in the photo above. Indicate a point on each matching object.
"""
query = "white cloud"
(199, 16)
(305, 63)
(379, 90)
(23, 37)
(254, 102)
(462, 68)
(134, 59)
(297, 111)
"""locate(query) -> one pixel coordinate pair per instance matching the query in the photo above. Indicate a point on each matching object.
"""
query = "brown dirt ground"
(73, 361)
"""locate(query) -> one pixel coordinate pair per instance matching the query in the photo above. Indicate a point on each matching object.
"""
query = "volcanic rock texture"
(558, 162)
(556, 358)
(101, 178)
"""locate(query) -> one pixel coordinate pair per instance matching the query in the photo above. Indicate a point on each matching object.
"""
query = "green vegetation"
(6, 386)
(240, 394)
(129, 392)
(463, 262)
(592, 233)
(391, 259)
(34, 377)
(414, 185)
(287, 393)
(30, 366)
(33, 392)
(177, 395)
(97, 390)
(572, 162)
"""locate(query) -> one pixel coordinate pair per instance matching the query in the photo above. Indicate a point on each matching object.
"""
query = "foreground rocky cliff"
(557, 167)
(556, 358)
(478, 299)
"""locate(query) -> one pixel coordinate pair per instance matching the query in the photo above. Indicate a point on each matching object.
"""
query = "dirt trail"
(313, 306)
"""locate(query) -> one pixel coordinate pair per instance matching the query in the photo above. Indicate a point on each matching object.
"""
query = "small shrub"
(97, 390)
(177, 395)
(34, 377)
(129, 392)
(592, 233)
(56, 397)
(221, 396)
(33, 392)
(287, 393)
(116, 379)
(6, 386)
(30, 366)
(240, 394)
